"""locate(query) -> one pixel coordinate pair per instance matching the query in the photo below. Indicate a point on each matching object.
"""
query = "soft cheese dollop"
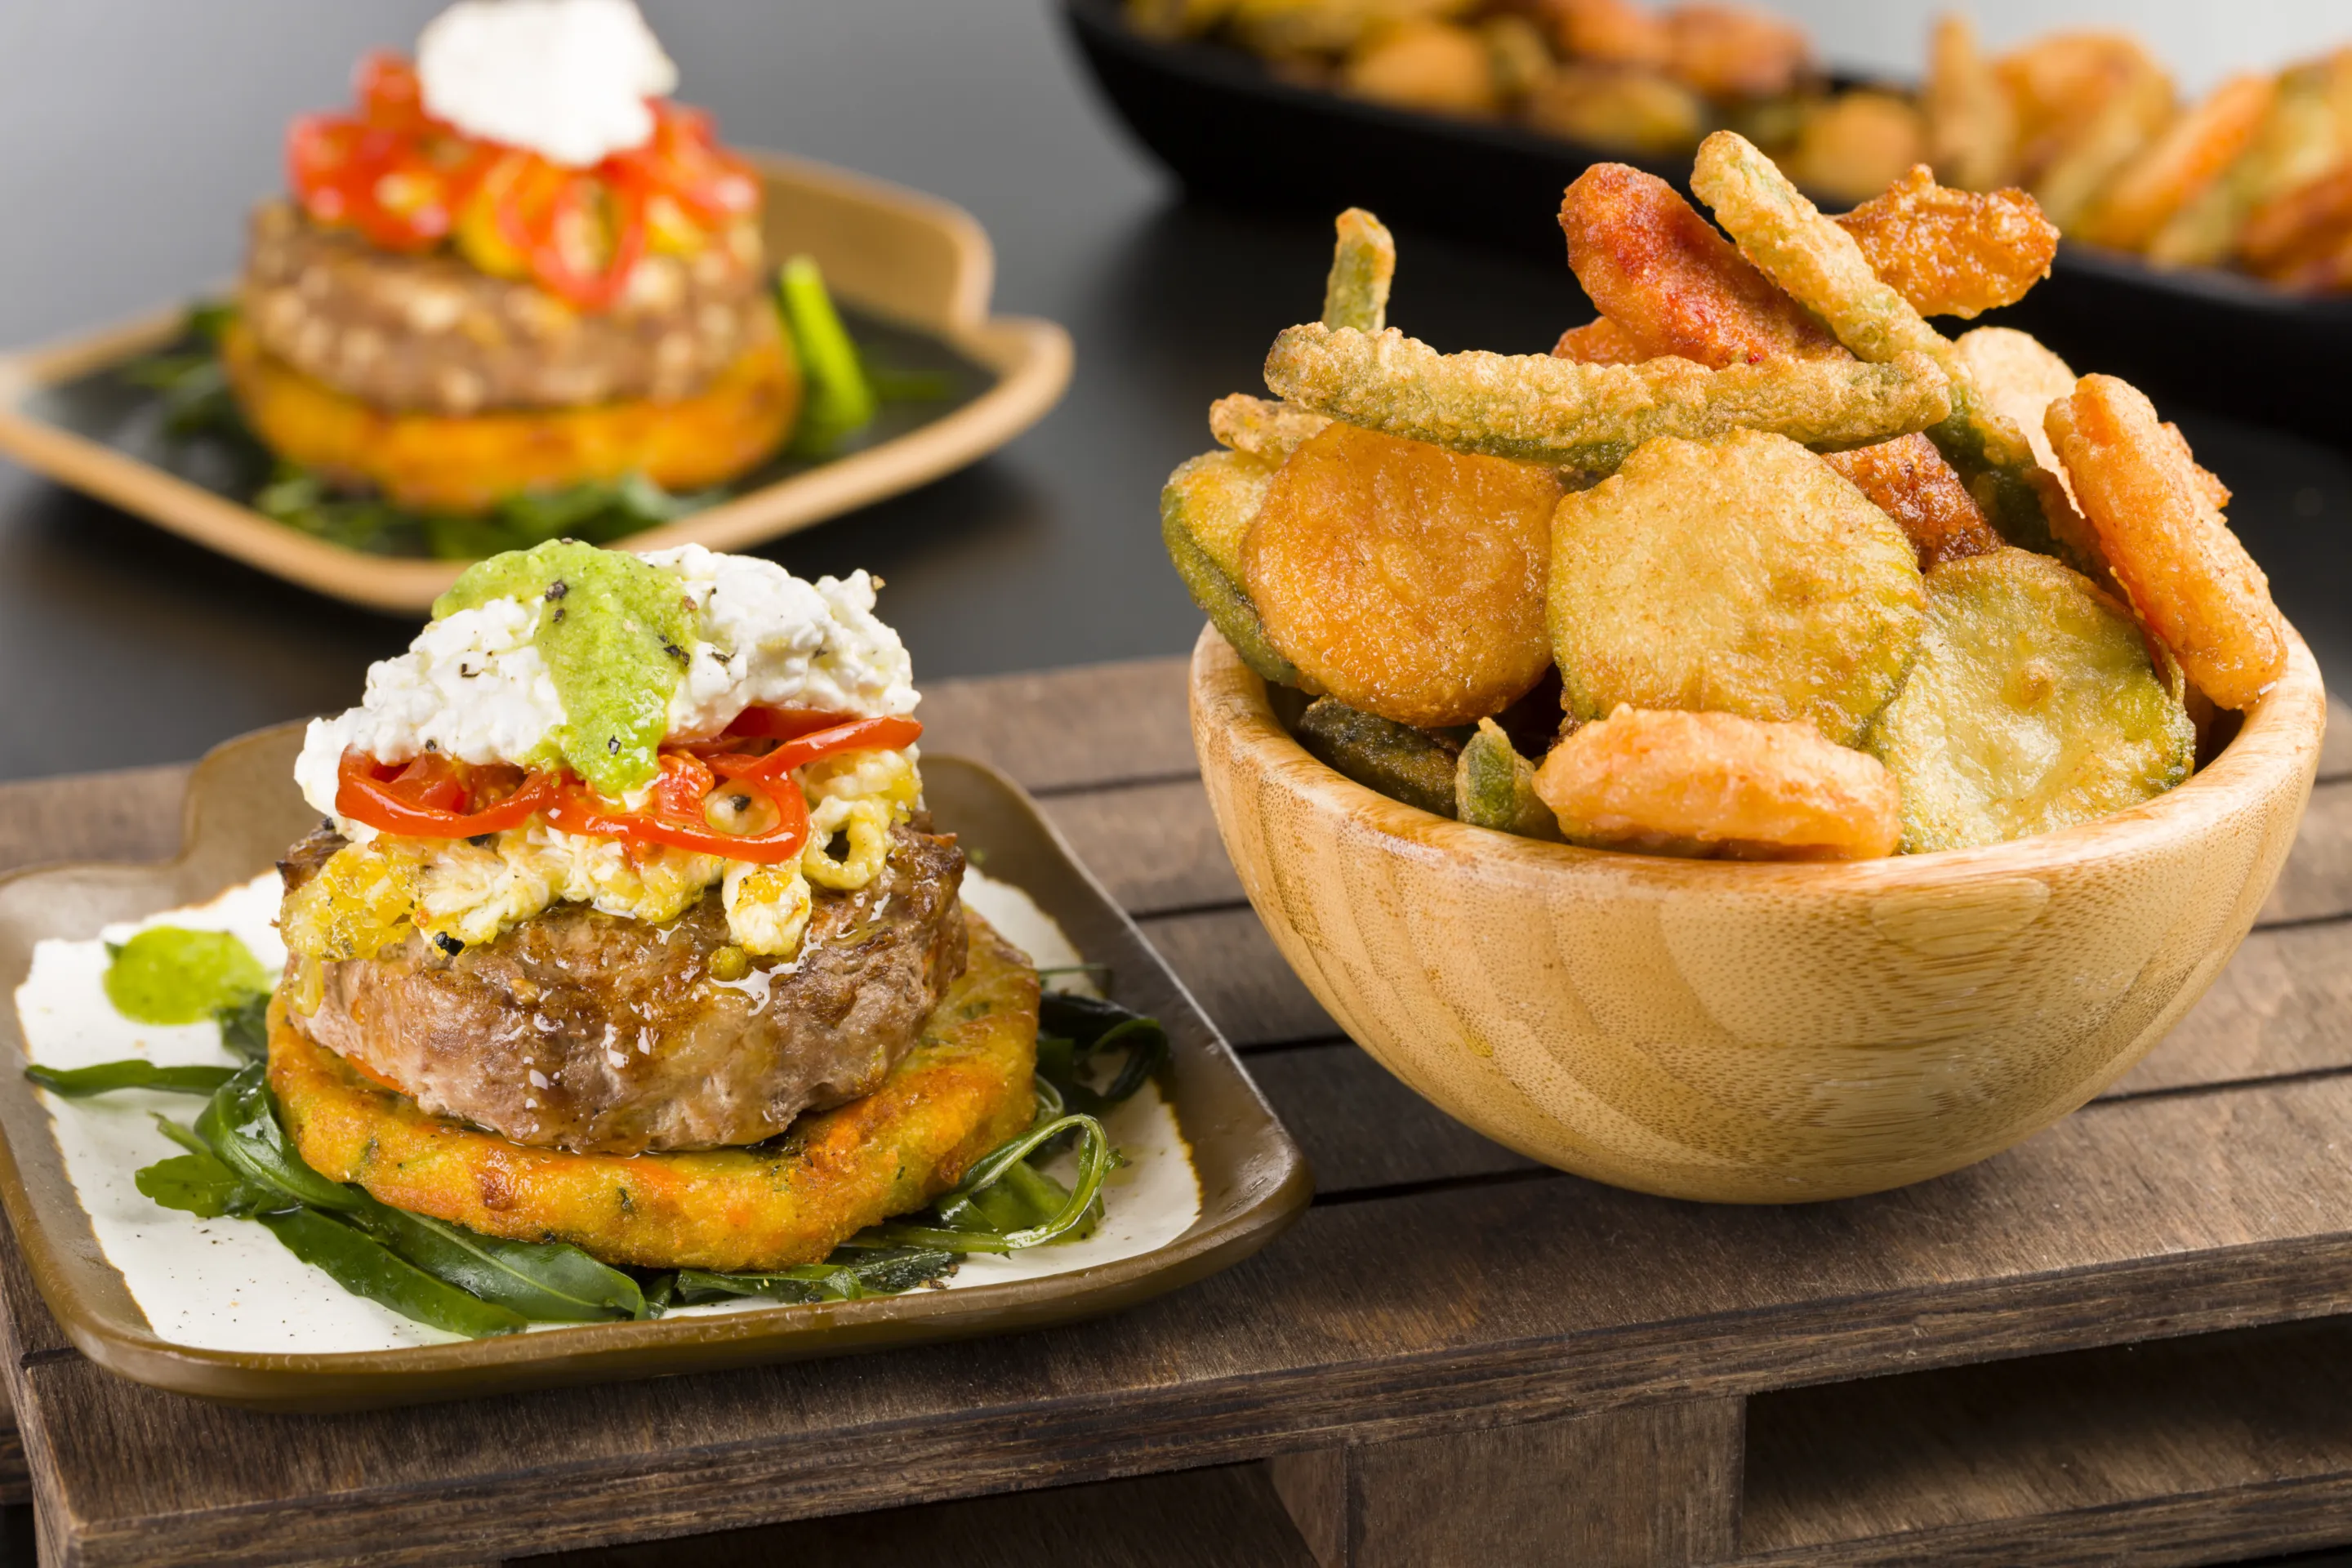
(566, 79)
(474, 686)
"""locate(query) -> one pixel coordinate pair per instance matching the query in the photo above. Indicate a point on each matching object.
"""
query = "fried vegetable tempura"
(1363, 264)
(1669, 281)
(1743, 577)
(2185, 574)
(1819, 263)
(1403, 579)
(1263, 427)
(2034, 706)
(2299, 139)
(1205, 511)
(1397, 760)
(1494, 786)
(1424, 64)
(1951, 252)
(2179, 165)
(2302, 237)
(1971, 128)
(1909, 481)
(2085, 102)
(1711, 784)
(1539, 409)
(1600, 341)
(1631, 111)
(1855, 143)
(1730, 51)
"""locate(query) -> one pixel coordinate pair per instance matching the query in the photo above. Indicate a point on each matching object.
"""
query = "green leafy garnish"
(105, 1078)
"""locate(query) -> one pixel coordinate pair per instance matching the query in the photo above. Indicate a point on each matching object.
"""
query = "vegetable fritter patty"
(963, 1090)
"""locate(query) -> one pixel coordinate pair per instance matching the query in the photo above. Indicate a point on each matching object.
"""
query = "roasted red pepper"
(434, 797)
(675, 814)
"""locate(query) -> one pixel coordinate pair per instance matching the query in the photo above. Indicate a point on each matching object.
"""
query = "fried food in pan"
(1666, 279)
(1630, 112)
(1971, 126)
(1953, 252)
(2300, 236)
(1742, 577)
(1539, 409)
(2301, 137)
(2185, 574)
(1404, 579)
(2062, 85)
(1854, 143)
(2034, 706)
(1424, 64)
(1494, 786)
(2179, 165)
(1703, 784)
(1732, 52)
(1397, 760)
(1205, 509)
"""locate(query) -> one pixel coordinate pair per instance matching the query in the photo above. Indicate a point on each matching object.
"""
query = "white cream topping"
(473, 687)
(566, 79)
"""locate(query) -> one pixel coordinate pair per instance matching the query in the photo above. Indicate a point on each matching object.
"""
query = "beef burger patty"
(600, 1034)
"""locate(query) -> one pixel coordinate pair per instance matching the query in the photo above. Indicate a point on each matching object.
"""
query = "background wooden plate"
(243, 810)
(911, 262)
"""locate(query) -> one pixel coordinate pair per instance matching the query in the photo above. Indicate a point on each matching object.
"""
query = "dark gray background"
(133, 133)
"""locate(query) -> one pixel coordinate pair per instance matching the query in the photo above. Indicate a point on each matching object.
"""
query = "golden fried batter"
(2179, 165)
(1363, 264)
(1971, 127)
(2301, 237)
(1908, 481)
(1950, 252)
(1261, 426)
(1405, 580)
(2191, 580)
(1710, 784)
(1599, 342)
(964, 1089)
(1730, 51)
(1670, 282)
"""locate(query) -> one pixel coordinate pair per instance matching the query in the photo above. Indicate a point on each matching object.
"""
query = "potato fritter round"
(1744, 577)
(2184, 571)
(1403, 579)
(1953, 253)
(2034, 706)
(1698, 784)
(469, 463)
(964, 1089)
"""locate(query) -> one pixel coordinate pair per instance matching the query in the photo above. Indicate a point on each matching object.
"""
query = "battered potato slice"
(1631, 112)
(1398, 761)
(1403, 579)
(2034, 706)
(1855, 143)
(1971, 127)
(1539, 409)
(1711, 784)
(1744, 577)
(1908, 481)
(1363, 264)
(1671, 283)
(1610, 32)
(1953, 252)
(1599, 342)
(1436, 67)
(2179, 165)
(1494, 786)
(1265, 428)
(1205, 509)
(1730, 51)
(2185, 574)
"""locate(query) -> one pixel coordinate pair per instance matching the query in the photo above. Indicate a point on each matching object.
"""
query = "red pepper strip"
(424, 806)
(559, 200)
(674, 815)
(858, 735)
(391, 95)
(781, 724)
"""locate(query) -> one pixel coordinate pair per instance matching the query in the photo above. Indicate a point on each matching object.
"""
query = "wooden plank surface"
(1441, 1284)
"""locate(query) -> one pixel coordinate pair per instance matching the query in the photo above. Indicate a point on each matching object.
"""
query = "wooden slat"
(2316, 882)
(1222, 1518)
(2168, 1453)
(1154, 846)
(2283, 1006)
(1069, 729)
(2336, 750)
(1239, 978)
(133, 815)
(1361, 1128)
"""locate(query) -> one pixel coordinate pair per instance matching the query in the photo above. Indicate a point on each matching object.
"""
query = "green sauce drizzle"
(167, 974)
(613, 632)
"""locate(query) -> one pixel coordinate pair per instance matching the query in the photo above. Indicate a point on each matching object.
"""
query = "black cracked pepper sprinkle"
(612, 745)
(483, 840)
(448, 944)
(557, 589)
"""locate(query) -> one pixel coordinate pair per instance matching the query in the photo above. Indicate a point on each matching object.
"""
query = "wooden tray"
(243, 810)
(913, 263)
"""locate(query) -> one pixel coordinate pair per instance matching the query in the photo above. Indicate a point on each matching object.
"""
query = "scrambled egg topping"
(458, 892)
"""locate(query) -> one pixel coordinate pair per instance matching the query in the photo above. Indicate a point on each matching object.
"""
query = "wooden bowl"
(1751, 1033)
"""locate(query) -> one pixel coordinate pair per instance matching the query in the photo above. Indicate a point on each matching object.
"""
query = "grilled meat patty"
(600, 1034)
(433, 334)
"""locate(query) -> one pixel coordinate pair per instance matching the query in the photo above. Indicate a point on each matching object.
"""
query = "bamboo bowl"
(1751, 1033)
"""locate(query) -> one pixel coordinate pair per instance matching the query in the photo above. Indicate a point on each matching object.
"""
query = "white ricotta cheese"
(566, 79)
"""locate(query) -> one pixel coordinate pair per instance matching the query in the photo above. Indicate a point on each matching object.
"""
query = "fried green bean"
(1820, 264)
(1261, 426)
(1494, 786)
(1396, 759)
(1568, 414)
(1204, 511)
(1363, 260)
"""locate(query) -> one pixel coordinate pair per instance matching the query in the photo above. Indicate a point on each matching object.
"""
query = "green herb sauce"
(614, 634)
(167, 974)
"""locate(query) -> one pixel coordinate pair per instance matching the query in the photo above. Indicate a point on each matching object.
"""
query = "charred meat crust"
(432, 334)
(600, 1034)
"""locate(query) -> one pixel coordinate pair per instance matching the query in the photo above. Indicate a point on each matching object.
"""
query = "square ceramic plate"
(912, 272)
(242, 812)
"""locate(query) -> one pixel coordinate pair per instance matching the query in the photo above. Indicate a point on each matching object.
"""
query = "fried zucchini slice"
(1205, 508)
(2032, 706)
(965, 1089)
(1745, 577)
(1396, 759)
(1494, 786)
(1703, 785)
(1404, 579)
